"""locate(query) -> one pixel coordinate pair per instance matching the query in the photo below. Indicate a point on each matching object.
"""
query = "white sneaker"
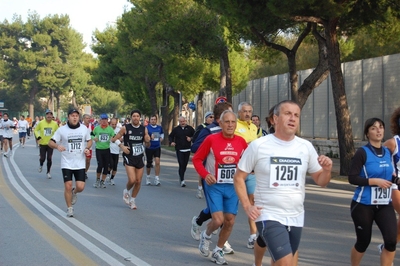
(204, 245)
(102, 184)
(108, 179)
(199, 193)
(70, 212)
(215, 232)
(132, 204)
(157, 182)
(183, 183)
(148, 182)
(125, 196)
(97, 183)
(112, 183)
(74, 197)
(40, 169)
(48, 175)
(218, 258)
(228, 248)
(250, 243)
(195, 230)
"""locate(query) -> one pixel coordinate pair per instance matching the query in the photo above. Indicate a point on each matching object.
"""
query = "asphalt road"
(104, 231)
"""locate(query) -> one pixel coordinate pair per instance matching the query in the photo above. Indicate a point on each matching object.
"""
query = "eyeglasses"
(210, 116)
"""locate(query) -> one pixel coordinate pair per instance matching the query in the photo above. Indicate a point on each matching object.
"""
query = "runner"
(247, 130)
(73, 140)
(208, 119)
(280, 163)
(114, 154)
(29, 130)
(23, 127)
(181, 138)
(44, 130)
(86, 121)
(222, 152)
(134, 135)
(102, 135)
(371, 170)
(7, 125)
(256, 121)
(154, 151)
(1, 132)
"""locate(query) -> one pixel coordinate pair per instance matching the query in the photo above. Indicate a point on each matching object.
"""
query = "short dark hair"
(136, 111)
(219, 108)
(395, 122)
(255, 116)
(370, 122)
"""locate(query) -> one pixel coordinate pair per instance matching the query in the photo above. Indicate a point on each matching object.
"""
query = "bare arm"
(323, 176)
(240, 187)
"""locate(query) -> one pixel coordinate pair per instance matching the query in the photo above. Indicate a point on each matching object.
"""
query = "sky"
(85, 15)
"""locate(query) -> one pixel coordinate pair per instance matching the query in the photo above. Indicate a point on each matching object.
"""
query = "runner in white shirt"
(114, 154)
(73, 141)
(1, 132)
(280, 162)
(23, 127)
(7, 125)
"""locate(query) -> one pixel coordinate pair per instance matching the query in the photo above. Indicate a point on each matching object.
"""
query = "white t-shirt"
(23, 125)
(280, 168)
(114, 148)
(1, 127)
(75, 142)
(7, 130)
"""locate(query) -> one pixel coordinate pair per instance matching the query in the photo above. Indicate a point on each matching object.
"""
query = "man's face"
(86, 120)
(255, 121)
(228, 124)
(182, 122)
(245, 113)
(21, 118)
(153, 120)
(210, 119)
(135, 119)
(49, 116)
(73, 119)
(5, 117)
(288, 120)
(113, 123)
(104, 121)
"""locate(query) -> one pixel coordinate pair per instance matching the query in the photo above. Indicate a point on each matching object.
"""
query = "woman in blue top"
(372, 171)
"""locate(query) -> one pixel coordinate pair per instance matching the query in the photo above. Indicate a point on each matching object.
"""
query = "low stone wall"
(330, 148)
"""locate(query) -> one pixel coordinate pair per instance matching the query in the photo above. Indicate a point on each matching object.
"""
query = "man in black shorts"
(156, 134)
(134, 135)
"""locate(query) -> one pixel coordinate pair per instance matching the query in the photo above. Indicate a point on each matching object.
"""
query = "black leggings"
(103, 160)
(183, 160)
(43, 150)
(114, 161)
(364, 216)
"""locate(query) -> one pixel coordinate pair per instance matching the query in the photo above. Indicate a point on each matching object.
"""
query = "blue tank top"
(375, 167)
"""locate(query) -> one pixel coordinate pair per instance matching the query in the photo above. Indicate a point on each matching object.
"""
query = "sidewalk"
(335, 184)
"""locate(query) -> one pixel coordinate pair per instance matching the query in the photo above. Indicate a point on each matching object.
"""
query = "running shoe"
(204, 245)
(102, 184)
(74, 197)
(250, 243)
(183, 183)
(215, 232)
(40, 169)
(125, 196)
(70, 212)
(148, 182)
(112, 183)
(108, 180)
(6, 155)
(48, 175)
(218, 257)
(86, 177)
(157, 181)
(195, 230)
(380, 248)
(97, 183)
(199, 193)
(228, 248)
(132, 204)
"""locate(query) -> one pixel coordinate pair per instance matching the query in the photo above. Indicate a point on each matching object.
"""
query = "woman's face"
(376, 132)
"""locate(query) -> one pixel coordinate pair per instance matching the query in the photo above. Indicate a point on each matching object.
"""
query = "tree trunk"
(344, 129)
(151, 87)
(165, 115)
(199, 109)
(226, 75)
(32, 94)
(73, 100)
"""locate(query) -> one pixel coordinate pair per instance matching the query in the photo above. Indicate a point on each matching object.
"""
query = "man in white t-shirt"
(73, 141)
(280, 162)
(23, 126)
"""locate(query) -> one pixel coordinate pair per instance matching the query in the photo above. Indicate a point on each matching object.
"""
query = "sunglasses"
(210, 116)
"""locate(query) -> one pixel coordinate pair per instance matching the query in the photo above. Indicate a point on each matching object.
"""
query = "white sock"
(252, 237)
(156, 177)
(216, 249)
(200, 187)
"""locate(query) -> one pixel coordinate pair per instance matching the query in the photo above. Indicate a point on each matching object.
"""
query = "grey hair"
(243, 104)
(86, 115)
(226, 112)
